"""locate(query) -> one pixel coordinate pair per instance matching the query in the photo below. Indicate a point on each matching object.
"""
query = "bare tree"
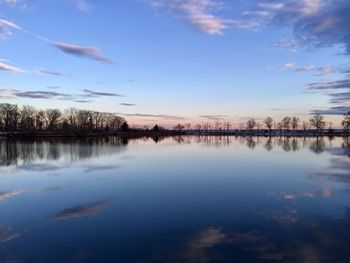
(84, 117)
(305, 126)
(9, 116)
(346, 122)
(295, 123)
(268, 123)
(71, 116)
(250, 125)
(30, 119)
(318, 122)
(53, 117)
(217, 125)
(179, 127)
(27, 118)
(279, 126)
(40, 120)
(286, 121)
(227, 125)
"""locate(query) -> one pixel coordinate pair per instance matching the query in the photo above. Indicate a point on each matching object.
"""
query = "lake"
(177, 199)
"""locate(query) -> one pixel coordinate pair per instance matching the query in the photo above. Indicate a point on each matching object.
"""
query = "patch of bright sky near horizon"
(174, 61)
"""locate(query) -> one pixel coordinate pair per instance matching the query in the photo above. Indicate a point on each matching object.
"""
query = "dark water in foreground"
(209, 199)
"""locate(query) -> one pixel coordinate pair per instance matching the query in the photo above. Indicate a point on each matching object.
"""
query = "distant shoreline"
(165, 133)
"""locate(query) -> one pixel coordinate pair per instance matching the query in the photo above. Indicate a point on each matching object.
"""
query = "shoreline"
(168, 133)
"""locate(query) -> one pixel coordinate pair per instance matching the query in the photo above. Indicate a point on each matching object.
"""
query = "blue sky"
(170, 61)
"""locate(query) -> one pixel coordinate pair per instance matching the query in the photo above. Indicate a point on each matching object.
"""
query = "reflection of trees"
(216, 141)
(251, 144)
(346, 146)
(25, 152)
(286, 144)
(295, 145)
(317, 146)
(268, 145)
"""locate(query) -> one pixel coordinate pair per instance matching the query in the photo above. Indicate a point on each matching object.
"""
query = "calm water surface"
(189, 199)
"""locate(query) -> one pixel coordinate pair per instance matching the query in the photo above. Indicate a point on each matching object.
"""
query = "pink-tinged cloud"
(9, 68)
(202, 14)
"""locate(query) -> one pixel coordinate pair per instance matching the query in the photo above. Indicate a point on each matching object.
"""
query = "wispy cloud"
(6, 26)
(53, 87)
(214, 117)
(161, 116)
(83, 5)
(288, 44)
(81, 51)
(52, 73)
(323, 70)
(127, 104)
(330, 85)
(98, 93)
(41, 94)
(315, 23)
(12, 2)
(305, 68)
(289, 66)
(339, 95)
(10, 68)
(9, 24)
(202, 14)
(47, 95)
(19, 3)
(93, 53)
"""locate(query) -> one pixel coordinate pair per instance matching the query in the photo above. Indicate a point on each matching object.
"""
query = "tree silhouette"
(250, 124)
(295, 123)
(29, 119)
(268, 123)
(346, 122)
(318, 122)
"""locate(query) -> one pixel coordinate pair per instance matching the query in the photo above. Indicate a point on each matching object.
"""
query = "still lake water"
(189, 199)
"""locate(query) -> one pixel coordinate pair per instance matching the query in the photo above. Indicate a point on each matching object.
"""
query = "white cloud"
(9, 68)
(311, 7)
(289, 66)
(6, 26)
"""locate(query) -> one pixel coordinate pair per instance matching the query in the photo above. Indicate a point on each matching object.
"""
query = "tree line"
(287, 124)
(28, 118)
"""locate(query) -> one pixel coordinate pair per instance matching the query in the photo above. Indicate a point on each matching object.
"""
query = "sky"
(178, 61)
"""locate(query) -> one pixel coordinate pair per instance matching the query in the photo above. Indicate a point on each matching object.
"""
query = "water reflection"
(9, 194)
(80, 211)
(287, 144)
(176, 199)
(7, 235)
(26, 154)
